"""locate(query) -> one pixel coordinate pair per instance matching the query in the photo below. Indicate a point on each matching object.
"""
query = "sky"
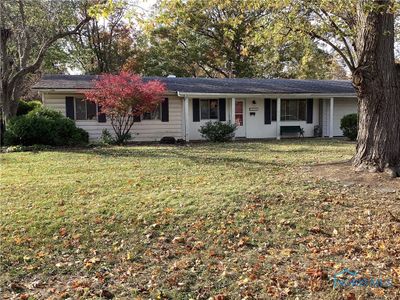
(145, 5)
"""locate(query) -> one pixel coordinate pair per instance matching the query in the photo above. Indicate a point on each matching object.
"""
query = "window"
(239, 113)
(85, 110)
(154, 115)
(293, 110)
(209, 109)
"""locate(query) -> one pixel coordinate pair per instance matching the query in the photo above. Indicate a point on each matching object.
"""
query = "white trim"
(186, 118)
(278, 118)
(82, 91)
(332, 100)
(272, 96)
(223, 95)
(233, 100)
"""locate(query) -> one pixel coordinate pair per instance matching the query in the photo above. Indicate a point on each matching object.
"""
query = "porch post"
(331, 117)
(186, 111)
(233, 110)
(278, 118)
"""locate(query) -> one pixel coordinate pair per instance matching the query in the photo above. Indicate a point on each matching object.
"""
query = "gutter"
(220, 95)
(282, 95)
(78, 90)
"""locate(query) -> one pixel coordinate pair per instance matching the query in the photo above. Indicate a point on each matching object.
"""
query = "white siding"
(194, 127)
(254, 125)
(341, 107)
(146, 130)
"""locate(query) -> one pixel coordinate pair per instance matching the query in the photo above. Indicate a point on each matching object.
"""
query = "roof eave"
(75, 90)
(265, 95)
(217, 95)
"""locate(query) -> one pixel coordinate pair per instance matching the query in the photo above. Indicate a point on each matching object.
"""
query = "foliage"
(241, 219)
(105, 43)
(218, 131)
(349, 126)
(332, 24)
(45, 127)
(25, 107)
(223, 39)
(107, 138)
(29, 29)
(123, 97)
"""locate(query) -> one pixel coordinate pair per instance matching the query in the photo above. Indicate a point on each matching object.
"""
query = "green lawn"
(227, 221)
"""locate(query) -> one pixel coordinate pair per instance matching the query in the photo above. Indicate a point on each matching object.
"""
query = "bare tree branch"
(342, 36)
(312, 34)
(33, 67)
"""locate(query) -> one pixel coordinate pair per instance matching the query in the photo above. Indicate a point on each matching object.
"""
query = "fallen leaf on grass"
(243, 242)
(317, 273)
(90, 262)
(287, 252)
(24, 297)
(351, 296)
(178, 239)
(16, 287)
(106, 294)
(378, 292)
(62, 231)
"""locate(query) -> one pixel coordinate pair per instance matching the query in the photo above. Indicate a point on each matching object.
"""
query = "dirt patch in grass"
(344, 173)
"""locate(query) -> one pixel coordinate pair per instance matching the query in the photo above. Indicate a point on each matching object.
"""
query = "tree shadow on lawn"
(200, 158)
(211, 153)
(173, 152)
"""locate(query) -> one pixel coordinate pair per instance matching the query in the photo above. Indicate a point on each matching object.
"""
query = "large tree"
(28, 30)
(222, 38)
(104, 44)
(362, 32)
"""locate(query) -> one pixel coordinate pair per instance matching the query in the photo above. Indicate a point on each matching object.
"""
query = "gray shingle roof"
(214, 85)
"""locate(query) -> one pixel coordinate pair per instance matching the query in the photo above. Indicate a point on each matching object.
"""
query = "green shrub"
(106, 137)
(122, 139)
(25, 107)
(218, 131)
(45, 127)
(349, 126)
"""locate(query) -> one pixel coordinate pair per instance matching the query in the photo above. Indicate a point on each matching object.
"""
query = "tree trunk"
(377, 82)
(9, 104)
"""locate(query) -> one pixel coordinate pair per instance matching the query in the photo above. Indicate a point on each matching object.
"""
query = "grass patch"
(235, 220)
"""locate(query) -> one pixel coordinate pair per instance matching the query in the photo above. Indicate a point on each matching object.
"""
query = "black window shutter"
(222, 109)
(69, 107)
(136, 119)
(196, 110)
(310, 111)
(101, 117)
(273, 110)
(165, 111)
(267, 111)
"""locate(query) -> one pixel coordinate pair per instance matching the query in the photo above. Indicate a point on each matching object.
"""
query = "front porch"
(263, 116)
